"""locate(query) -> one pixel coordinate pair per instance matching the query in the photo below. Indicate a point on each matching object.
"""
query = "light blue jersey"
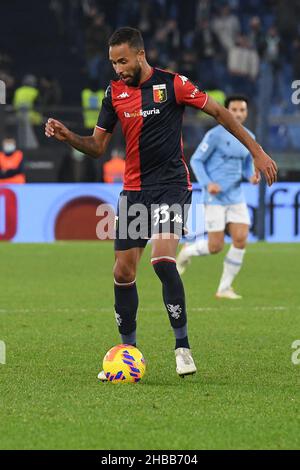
(221, 158)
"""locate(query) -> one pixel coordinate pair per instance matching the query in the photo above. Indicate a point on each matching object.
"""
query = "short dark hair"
(127, 35)
(236, 97)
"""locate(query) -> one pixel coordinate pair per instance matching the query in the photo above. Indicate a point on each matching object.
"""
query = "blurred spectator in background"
(257, 37)
(188, 65)
(153, 55)
(273, 58)
(126, 12)
(11, 163)
(145, 21)
(296, 58)
(50, 92)
(287, 22)
(25, 99)
(89, 8)
(69, 15)
(208, 51)
(91, 99)
(243, 66)
(272, 49)
(5, 62)
(9, 81)
(167, 40)
(97, 35)
(199, 38)
(58, 9)
(203, 10)
(6, 75)
(227, 27)
(114, 169)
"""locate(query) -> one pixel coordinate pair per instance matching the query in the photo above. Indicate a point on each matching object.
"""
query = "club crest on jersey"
(160, 93)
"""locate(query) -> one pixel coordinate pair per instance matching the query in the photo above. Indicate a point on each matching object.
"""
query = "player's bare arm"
(94, 145)
(262, 161)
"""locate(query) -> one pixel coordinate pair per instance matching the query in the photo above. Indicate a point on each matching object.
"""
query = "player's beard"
(136, 77)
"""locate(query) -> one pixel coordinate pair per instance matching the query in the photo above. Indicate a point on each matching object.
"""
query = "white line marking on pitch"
(155, 308)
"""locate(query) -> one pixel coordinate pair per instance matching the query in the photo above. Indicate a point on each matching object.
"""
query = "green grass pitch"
(56, 318)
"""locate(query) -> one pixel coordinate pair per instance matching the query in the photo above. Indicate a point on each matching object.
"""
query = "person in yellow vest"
(11, 163)
(25, 98)
(114, 169)
(91, 99)
(217, 94)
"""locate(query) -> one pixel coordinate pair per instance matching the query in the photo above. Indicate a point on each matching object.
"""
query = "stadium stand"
(203, 39)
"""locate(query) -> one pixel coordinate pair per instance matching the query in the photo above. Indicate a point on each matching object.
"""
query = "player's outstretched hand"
(255, 179)
(213, 188)
(56, 129)
(266, 165)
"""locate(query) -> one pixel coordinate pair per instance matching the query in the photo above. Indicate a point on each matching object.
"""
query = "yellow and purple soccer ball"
(124, 364)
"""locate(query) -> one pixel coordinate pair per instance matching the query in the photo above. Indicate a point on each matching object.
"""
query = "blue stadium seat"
(294, 135)
(278, 138)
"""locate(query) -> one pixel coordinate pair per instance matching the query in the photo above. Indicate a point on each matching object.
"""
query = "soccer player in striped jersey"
(149, 103)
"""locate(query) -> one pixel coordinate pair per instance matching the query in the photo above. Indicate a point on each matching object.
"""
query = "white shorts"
(218, 216)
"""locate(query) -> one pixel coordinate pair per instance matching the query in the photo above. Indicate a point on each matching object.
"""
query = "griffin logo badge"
(160, 93)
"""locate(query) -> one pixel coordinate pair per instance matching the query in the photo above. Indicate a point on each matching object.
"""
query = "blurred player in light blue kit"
(220, 164)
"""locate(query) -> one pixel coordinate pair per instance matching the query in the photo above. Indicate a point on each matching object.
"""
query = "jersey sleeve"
(189, 94)
(107, 118)
(200, 156)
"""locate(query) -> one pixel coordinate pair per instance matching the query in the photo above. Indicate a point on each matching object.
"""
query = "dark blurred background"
(54, 62)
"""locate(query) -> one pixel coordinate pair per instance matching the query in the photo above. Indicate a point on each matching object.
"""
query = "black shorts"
(142, 214)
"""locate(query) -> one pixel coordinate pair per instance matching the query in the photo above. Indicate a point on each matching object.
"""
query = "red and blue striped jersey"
(151, 119)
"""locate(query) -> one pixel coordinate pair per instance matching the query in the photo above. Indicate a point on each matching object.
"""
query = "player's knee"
(240, 242)
(215, 247)
(124, 272)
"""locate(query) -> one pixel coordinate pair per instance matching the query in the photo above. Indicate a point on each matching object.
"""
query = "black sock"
(126, 305)
(182, 343)
(174, 299)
